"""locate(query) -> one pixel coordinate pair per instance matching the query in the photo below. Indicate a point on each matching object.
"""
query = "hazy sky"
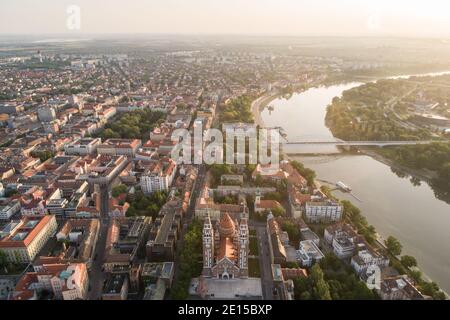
(293, 17)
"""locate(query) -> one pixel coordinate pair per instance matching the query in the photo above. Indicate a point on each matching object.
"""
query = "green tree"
(292, 230)
(190, 261)
(3, 260)
(408, 261)
(118, 190)
(393, 246)
(308, 174)
(432, 289)
(43, 155)
(278, 212)
(320, 288)
(416, 275)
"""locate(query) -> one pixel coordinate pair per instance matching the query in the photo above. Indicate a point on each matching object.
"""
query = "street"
(96, 275)
(189, 215)
(264, 260)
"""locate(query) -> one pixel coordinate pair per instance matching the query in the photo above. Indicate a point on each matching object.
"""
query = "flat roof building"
(22, 240)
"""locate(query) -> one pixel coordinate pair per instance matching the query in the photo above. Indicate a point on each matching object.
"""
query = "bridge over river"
(359, 143)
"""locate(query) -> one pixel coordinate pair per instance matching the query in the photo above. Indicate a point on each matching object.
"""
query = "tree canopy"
(393, 246)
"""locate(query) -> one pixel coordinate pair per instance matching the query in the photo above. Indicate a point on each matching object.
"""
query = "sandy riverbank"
(259, 104)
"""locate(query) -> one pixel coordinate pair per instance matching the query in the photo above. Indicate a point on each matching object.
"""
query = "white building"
(83, 146)
(158, 176)
(7, 211)
(343, 239)
(308, 253)
(399, 288)
(2, 190)
(368, 258)
(57, 206)
(22, 240)
(327, 211)
(65, 281)
(113, 147)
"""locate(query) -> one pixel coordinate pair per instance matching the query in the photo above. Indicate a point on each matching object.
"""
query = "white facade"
(22, 250)
(83, 146)
(68, 284)
(365, 259)
(158, 181)
(343, 247)
(308, 253)
(7, 211)
(2, 190)
(34, 211)
(343, 240)
(323, 212)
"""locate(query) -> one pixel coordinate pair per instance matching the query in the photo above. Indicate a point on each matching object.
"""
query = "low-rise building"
(9, 209)
(309, 253)
(323, 212)
(116, 287)
(284, 288)
(343, 239)
(367, 257)
(79, 237)
(65, 281)
(57, 206)
(118, 147)
(158, 176)
(83, 146)
(165, 231)
(22, 240)
(125, 240)
(399, 288)
(206, 207)
(308, 234)
(157, 278)
(262, 206)
(277, 250)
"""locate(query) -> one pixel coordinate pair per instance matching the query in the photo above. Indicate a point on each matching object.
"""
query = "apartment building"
(83, 146)
(9, 209)
(22, 240)
(117, 147)
(158, 176)
(66, 281)
(323, 211)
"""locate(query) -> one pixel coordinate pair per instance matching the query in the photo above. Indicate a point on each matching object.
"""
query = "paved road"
(265, 264)
(96, 275)
(189, 215)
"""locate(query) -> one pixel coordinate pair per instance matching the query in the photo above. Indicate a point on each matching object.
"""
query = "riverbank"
(424, 175)
(392, 204)
(259, 104)
(263, 101)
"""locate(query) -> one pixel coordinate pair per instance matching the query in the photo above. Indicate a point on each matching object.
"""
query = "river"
(394, 205)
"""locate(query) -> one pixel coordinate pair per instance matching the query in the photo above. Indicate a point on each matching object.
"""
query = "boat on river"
(343, 186)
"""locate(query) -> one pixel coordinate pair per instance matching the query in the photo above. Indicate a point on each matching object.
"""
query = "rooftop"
(24, 232)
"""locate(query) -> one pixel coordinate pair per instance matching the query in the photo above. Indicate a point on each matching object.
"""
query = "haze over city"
(288, 17)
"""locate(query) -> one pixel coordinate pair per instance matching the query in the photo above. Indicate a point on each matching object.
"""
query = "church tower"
(208, 247)
(243, 248)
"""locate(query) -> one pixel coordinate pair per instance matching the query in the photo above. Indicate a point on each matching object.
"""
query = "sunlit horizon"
(416, 18)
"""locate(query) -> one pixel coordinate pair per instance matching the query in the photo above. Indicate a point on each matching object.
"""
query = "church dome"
(226, 226)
